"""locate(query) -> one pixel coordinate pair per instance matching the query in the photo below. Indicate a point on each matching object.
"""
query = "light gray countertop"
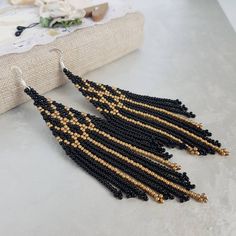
(189, 53)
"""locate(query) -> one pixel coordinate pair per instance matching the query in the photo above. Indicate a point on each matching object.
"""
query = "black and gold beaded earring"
(159, 121)
(124, 169)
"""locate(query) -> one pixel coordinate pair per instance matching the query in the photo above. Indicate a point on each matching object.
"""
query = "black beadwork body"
(155, 121)
(114, 158)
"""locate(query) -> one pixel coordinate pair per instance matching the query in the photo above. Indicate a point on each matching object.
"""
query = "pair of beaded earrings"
(125, 151)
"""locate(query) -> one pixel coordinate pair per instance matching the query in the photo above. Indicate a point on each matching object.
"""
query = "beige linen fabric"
(84, 50)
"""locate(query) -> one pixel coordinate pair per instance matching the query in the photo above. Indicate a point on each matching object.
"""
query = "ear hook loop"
(61, 57)
(19, 75)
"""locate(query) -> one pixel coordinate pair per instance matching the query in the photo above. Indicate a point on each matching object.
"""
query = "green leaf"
(44, 22)
(67, 23)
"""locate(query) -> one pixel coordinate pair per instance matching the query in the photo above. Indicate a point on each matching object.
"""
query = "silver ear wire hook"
(19, 75)
(61, 57)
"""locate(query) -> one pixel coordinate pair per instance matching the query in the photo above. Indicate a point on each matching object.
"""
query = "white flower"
(59, 9)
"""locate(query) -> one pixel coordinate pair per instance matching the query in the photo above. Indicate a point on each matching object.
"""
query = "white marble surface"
(189, 53)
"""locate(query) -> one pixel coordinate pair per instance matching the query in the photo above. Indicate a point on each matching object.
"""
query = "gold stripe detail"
(219, 150)
(156, 196)
(198, 125)
(192, 194)
(139, 151)
(149, 127)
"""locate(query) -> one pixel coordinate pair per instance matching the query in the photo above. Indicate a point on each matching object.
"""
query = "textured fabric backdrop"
(84, 50)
